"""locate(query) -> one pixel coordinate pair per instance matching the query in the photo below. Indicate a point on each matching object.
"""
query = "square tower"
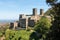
(34, 11)
(41, 12)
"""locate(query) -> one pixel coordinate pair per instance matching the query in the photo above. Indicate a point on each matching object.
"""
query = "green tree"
(41, 28)
(55, 33)
(50, 13)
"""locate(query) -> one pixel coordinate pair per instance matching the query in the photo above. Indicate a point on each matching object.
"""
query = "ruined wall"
(15, 24)
(11, 26)
(23, 23)
(31, 23)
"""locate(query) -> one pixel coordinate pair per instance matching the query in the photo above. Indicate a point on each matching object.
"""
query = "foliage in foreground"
(17, 35)
(55, 34)
(41, 29)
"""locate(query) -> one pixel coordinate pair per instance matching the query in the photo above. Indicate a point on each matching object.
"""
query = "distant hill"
(7, 21)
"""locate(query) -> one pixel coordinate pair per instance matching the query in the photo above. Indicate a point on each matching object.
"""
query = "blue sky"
(10, 9)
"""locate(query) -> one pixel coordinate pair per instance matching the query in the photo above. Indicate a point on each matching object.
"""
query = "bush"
(17, 35)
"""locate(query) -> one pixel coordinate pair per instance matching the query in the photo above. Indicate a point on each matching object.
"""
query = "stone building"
(25, 21)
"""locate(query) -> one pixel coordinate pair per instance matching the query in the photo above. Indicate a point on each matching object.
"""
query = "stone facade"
(25, 21)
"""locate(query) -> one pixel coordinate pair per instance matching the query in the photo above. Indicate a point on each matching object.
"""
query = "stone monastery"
(26, 21)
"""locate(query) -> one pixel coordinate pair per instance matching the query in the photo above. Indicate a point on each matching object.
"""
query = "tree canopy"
(43, 26)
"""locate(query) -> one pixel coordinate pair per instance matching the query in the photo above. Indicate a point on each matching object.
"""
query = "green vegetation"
(43, 26)
(44, 22)
(1, 34)
(50, 12)
(41, 29)
(17, 35)
(55, 28)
